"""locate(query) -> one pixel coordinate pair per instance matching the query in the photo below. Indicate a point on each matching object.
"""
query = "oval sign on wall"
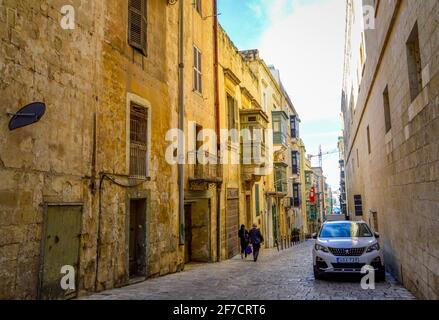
(27, 115)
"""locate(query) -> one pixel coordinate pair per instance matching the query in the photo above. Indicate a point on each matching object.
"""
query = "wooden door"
(232, 227)
(137, 244)
(60, 248)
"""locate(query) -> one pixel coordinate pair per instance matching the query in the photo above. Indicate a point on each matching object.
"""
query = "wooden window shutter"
(137, 24)
(236, 114)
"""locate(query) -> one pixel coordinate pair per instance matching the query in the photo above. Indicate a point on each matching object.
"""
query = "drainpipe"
(217, 125)
(181, 121)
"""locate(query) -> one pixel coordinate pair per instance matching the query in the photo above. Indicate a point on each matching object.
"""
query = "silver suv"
(346, 247)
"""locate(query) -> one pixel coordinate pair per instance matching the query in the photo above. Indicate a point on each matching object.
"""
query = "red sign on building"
(312, 195)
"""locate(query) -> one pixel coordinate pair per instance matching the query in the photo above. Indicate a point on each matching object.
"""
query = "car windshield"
(345, 230)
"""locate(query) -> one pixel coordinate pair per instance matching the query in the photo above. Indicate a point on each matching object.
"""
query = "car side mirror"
(314, 235)
(377, 235)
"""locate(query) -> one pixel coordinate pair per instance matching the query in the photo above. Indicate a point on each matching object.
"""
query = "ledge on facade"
(232, 76)
(254, 112)
(204, 184)
(251, 177)
(276, 194)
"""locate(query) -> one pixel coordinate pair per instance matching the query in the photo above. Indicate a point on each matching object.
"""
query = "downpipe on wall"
(217, 127)
(181, 121)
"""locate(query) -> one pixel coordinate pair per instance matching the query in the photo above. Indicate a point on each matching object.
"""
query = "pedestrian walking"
(295, 236)
(256, 239)
(244, 240)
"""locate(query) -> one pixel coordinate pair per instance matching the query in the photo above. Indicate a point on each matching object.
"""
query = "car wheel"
(381, 275)
(317, 274)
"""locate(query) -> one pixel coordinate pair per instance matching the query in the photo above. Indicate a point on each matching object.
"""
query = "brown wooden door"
(137, 241)
(232, 227)
(248, 212)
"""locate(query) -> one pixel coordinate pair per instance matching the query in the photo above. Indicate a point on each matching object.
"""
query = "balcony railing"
(211, 171)
(253, 153)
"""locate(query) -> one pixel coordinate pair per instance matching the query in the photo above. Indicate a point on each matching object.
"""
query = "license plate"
(348, 260)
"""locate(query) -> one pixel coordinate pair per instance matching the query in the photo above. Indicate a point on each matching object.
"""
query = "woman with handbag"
(244, 240)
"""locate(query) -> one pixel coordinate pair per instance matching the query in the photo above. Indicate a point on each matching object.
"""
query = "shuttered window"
(138, 141)
(231, 113)
(257, 206)
(197, 71)
(137, 23)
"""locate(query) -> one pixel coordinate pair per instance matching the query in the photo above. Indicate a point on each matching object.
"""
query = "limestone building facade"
(391, 128)
(96, 183)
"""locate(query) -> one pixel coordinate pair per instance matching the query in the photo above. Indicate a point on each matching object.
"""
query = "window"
(294, 127)
(198, 7)
(346, 230)
(197, 71)
(414, 63)
(368, 140)
(280, 122)
(138, 141)
(258, 213)
(358, 204)
(387, 117)
(276, 125)
(295, 162)
(280, 176)
(264, 102)
(231, 112)
(296, 195)
(137, 24)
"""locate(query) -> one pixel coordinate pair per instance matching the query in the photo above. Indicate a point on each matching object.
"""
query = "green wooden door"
(61, 248)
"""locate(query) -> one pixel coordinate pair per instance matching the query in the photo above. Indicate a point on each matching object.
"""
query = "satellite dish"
(27, 115)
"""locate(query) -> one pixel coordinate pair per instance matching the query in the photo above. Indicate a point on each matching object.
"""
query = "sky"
(304, 39)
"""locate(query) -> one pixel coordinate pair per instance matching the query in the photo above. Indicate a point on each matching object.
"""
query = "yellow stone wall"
(92, 73)
(78, 73)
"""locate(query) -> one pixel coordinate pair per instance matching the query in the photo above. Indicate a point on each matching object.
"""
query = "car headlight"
(320, 248)
(374, 247)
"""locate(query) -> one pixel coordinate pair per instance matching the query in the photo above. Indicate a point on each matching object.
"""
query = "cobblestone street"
(284, 275)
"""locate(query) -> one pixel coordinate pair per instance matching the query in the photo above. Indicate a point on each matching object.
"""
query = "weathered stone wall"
(78, 73)
(231, 61)
(48, 161)
(153, 79)
(399, 179)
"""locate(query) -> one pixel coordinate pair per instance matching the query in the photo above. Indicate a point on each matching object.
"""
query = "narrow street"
(284, 275)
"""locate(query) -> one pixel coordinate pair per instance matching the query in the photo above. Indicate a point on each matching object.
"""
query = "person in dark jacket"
(244, 239)
(256, 239)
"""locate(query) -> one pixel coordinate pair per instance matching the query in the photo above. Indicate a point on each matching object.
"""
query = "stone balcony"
(204, 175)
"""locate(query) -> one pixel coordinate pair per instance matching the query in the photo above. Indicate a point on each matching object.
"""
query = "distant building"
(342, 195)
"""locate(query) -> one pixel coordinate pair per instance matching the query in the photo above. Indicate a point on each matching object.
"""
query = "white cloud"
(306, 44)
(305, 41)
